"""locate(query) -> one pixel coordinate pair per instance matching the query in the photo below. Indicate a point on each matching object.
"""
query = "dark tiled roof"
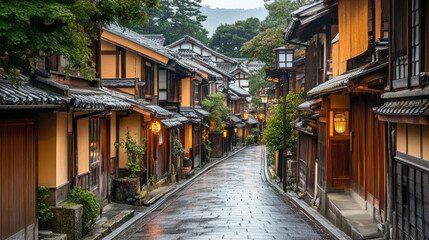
(202, 112)
(303, 127)
(251, 120)
(337, 83)
(176, 121)
(309, 105)
(28, 95)
(121, 83)
(200, 67)
(233, 96)
(239, 90)
(95, 99)
(419, 107)
(140, 103)
(240, 125)
(158, 38)
(139, 39)
(234, 118)
(189, 38)
(227, 67)
(189, 113)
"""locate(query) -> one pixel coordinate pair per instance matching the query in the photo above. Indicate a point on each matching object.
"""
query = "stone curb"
(158, 203)
(310, 212)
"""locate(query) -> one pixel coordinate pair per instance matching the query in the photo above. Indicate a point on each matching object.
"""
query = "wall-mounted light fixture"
(340, 123)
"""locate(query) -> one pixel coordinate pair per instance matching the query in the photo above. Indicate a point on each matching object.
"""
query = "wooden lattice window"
(399, 43)
(415, 37)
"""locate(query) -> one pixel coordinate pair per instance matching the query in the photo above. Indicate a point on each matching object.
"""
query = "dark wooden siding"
(18, 180)
(321, 156)
(311, 67)
(368, 162)
(412, 201)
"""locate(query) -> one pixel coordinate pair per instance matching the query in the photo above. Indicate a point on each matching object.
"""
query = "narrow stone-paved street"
(232, 201)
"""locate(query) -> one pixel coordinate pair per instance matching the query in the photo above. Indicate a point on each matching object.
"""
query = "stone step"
(348, 216)
(110, 225)
(48, 235)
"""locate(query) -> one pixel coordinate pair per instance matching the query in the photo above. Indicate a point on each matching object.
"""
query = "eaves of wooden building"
(341, 143)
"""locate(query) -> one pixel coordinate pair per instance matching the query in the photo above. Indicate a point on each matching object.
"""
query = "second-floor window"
(408, 42)
(196, 95)
(399, 43)
(415, 37)
(162, 81)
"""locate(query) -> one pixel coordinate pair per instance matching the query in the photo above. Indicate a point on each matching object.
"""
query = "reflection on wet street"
(231, 201)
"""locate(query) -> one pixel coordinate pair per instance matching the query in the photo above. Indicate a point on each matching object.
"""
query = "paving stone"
(231, 201)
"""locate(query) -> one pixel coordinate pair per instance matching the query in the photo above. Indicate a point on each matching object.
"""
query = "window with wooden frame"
(399, 42)
(162, 85)
(94, 140)
(173, 87)
(196, 95)
(408, 42)
(149, 87)
(415, 37)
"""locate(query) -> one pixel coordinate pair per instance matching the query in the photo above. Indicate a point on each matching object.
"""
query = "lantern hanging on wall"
(340, 123)
(225, 133)
(156, 127)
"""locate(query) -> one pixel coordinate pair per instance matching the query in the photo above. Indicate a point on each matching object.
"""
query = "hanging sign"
(156, 127)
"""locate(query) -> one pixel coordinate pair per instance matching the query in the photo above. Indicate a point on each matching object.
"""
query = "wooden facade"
(407, 134)
(18, 179)
(347, 70)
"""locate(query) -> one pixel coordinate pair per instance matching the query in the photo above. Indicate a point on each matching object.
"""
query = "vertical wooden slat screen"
(311, 67)
(18, 181)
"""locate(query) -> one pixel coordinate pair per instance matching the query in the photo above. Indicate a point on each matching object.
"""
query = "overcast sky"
(246, 4)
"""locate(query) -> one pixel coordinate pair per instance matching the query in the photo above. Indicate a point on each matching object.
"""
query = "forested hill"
(218, 16)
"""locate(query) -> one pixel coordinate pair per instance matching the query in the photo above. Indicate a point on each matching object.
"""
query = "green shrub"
(256, 132)
(249, 140)
(44, 210)
(207, 148)
(90, 204)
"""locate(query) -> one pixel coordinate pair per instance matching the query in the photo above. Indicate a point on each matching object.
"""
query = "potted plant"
(187, 165)
(177, 151)
(129, 187)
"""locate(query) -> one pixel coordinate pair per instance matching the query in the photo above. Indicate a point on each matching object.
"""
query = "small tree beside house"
(177, 151)
(216, 120)
(128, 188)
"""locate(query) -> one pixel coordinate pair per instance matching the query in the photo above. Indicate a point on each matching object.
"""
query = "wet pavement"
(231, 201)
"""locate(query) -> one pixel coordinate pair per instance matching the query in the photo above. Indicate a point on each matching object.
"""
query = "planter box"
(125, 188)
(67, 220)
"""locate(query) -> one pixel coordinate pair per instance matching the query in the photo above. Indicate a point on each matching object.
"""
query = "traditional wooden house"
(19, 155)
(154, 73)
(406, 117)
(195, 53)
(341, 142)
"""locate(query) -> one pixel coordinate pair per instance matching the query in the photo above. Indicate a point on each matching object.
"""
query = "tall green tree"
(271, 30)
(175, 19)
(32, 29)
(229, 38)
